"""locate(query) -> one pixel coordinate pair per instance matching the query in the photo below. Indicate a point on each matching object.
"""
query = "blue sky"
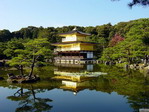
(15, 14)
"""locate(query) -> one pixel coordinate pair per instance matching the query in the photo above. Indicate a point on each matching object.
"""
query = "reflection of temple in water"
(75, 77)
(74, 67)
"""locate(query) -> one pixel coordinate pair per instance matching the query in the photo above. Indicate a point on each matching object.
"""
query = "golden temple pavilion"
(74, 48)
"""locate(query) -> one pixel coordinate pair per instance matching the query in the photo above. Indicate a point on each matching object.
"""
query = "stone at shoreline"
(143, 110)
(137, 66)
(141, 67)
(134, 66)
(146, 70)
(22, 79)
(1, 64)
(1, 78)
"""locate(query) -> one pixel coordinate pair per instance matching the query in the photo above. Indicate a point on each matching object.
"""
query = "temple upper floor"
(74, 35)
(75, 47)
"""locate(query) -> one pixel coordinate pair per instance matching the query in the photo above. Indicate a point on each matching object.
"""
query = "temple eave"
(75, 51)
(73, 42)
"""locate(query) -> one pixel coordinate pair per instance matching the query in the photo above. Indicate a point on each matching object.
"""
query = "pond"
(76, 88)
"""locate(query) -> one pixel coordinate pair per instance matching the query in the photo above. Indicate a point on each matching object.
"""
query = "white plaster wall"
(69, 38)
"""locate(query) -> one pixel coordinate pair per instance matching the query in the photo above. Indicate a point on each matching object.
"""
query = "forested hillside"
(131, 45)
(124, 42)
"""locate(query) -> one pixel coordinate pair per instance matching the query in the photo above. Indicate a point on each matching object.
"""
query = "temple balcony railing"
(64, 39)
(65, 49)
(69, 57)
(57, 49)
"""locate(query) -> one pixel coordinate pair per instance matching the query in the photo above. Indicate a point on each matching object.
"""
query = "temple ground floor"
(75, 57)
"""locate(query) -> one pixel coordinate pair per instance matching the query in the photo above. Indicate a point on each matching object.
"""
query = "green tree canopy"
(5, 35)
(133, 48)
(34, 52)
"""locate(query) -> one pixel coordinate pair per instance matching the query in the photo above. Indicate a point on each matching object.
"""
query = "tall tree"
(2, 48)
(115, 40)
(12, 45)
(5, 35)
(32, 54)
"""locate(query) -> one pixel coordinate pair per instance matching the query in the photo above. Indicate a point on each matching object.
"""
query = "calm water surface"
(76, 89)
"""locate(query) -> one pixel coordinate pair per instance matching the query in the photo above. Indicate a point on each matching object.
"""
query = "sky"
(17, 14)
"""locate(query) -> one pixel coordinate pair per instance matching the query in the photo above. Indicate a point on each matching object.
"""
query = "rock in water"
(1, 78)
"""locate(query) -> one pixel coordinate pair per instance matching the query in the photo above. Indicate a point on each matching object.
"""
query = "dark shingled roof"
(71, 42)
(75, 31)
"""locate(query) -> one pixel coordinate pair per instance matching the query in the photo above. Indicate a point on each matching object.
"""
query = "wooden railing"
(69, 57)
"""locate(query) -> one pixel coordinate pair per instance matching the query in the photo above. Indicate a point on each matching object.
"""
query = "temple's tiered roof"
(72, 42)
(76, 32)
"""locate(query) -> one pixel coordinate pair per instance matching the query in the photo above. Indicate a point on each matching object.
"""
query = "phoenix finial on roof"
(75, 28)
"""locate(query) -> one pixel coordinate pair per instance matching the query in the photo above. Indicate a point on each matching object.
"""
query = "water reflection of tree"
(139, 101)
(132, 84)
(28, 102)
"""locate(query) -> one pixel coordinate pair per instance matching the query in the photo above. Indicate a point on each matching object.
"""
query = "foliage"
(115, 40)
(111, 44)
(29, 32)
(12, 45)
(31, 54)
(5, 35)
(141, 2)
(137, 2)
(2, 48)
(133, 48)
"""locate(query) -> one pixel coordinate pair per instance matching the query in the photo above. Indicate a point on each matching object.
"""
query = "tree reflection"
(139, 101)
(28, 102)
(133, 85)
(130, 84)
